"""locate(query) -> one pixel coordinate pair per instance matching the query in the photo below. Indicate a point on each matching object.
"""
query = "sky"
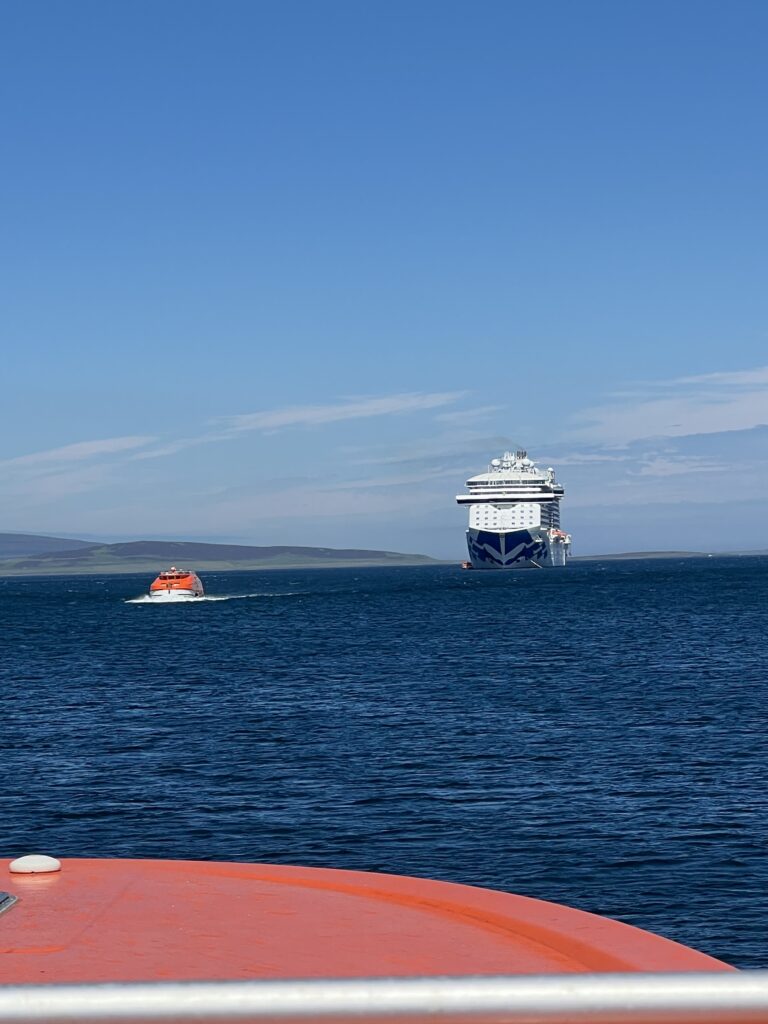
(290, 272)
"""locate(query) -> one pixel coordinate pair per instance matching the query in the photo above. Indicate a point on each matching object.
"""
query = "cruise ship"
(514, 516)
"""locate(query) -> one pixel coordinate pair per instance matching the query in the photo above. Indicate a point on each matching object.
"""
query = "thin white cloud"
(675, 466)
(583, 458)
(314, 415)
(469, 416)
(415, 480)
(324, 502)
(174, 447)
(455, 446)
(669, 472)
(78, 452)
(759, 375)
(24, 491)
(708, 404)
(272, 420)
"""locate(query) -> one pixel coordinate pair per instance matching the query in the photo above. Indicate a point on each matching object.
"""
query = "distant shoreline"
(24, 555)
(638, 555)
(200, 567)
(152, 567)
(647, 555)
(31, 555)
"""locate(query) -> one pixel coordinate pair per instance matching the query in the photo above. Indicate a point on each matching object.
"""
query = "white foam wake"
(146, 599)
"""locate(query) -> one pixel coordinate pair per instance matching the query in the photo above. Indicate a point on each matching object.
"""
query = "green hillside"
(151, 556)
(16, 545)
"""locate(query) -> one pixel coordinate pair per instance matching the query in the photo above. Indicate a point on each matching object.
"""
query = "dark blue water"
(595, 736)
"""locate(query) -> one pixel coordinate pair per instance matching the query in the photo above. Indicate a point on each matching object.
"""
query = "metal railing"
(722, 997)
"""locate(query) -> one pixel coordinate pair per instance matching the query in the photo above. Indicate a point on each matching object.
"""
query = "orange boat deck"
(134, 920)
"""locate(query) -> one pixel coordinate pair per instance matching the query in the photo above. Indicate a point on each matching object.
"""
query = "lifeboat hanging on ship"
(176, 585)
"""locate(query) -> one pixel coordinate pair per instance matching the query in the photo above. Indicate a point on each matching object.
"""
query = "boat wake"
(146, 599)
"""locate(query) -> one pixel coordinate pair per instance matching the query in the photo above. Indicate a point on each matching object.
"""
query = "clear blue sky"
(289, 272)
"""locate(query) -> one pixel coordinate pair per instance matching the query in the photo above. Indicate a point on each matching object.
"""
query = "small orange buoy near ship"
(175, 585)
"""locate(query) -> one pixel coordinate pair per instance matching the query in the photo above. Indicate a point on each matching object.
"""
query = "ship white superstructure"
(514, 516)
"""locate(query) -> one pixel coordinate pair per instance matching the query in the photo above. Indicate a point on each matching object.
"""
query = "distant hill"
(15, 545)
(641, 554)
(153, 555)
(630, 555)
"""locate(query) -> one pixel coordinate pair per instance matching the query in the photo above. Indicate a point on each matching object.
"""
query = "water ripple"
(594, 737)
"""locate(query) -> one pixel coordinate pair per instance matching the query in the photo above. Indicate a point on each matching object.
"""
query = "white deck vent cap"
(34, 863)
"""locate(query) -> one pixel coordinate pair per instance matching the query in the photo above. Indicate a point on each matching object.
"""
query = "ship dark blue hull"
(515, 549)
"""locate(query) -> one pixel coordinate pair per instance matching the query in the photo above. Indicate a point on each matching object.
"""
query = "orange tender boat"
(264, 927)
(174, 584)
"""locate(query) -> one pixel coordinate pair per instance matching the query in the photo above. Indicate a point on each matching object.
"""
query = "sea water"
(594, 736)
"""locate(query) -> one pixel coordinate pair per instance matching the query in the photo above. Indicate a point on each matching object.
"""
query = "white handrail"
(738, 996)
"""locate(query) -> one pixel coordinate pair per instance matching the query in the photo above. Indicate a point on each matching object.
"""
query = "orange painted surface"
(112, 920)
(176, 579)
